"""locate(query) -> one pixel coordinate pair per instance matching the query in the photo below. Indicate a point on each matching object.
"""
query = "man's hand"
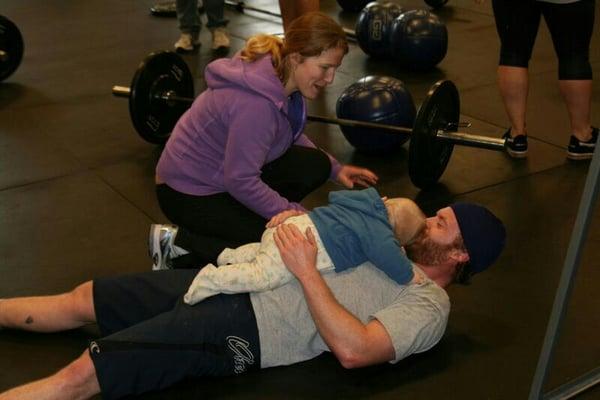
(350, 175)
(353, 343)
(298, 252)
(282, 216)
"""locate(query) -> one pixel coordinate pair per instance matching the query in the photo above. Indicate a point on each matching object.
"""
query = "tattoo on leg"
(29, 320)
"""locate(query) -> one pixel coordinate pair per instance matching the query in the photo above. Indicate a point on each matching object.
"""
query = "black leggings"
(208, 224)
(571, 26)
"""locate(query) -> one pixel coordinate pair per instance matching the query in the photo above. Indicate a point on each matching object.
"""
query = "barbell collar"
(453, 126)
(170, 96)
(466, 139)
(121, 91)
(359, 124)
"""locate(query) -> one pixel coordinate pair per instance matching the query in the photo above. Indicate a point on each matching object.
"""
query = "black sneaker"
(579, 150)
(515, 146)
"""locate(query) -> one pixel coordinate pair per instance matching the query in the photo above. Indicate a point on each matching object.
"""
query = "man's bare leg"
(578, 98)
(49, 313)
(513, 83)
(76, 381)
(292, 9)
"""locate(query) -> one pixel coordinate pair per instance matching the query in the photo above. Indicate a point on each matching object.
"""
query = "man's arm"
(353, 343)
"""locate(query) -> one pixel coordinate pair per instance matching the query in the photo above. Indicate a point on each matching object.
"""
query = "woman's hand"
(350, 175)
(298, 252)
(282, 216)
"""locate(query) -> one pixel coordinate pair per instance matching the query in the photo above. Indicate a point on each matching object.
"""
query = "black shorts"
(152, 339)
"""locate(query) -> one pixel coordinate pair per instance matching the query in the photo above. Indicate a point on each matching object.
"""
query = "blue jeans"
(189, 19)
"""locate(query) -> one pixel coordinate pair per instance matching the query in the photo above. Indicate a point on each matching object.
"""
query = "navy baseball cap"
(483, 234)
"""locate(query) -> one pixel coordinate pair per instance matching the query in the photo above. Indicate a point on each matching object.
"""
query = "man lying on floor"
(152, 339)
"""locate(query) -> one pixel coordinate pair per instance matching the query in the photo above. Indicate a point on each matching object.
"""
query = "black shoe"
(515, 146)
(579, 150)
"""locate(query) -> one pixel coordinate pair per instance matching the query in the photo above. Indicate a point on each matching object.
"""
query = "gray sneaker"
(160, 245)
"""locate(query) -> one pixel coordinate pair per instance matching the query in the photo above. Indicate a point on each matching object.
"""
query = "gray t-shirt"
(414, 315)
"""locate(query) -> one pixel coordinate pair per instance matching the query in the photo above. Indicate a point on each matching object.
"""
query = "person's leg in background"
(189, 25)
(292, 9)
(517, 23)
(217, 23)
(571, 26)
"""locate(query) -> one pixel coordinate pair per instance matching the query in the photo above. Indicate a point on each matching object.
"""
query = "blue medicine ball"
(381, 99)
(419, 39)
(373, 27)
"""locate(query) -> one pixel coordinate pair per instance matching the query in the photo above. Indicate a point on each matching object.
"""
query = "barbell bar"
(172, 97)
(447, 133)
(11, 47)
(162, 90)
(444, 133)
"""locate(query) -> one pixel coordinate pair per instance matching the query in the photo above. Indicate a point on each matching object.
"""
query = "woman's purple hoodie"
(237, 125)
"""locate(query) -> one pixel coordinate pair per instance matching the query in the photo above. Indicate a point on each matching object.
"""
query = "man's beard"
(426, 252)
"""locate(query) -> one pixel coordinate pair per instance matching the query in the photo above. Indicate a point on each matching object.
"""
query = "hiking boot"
(579, 150)
(220, 38)
(515, 146)
(187, 42)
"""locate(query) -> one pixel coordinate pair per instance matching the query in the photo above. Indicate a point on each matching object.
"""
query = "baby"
(355, 227)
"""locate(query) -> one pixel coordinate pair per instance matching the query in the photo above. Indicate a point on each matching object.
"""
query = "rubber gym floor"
(77, 198)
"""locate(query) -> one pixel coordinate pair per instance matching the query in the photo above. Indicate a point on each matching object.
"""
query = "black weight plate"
(11, 44)
(427, 155)
(160, 72)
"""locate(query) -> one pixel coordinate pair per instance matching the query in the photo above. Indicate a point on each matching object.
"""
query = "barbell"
(11, 47)
(162, 89)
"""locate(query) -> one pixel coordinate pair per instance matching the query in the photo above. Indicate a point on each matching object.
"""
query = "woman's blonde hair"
(308, 35)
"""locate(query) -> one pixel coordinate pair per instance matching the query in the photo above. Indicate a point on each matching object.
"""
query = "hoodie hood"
(258, 77)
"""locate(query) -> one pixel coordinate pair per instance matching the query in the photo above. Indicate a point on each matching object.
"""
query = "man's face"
(435, 246)
(443, 228)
